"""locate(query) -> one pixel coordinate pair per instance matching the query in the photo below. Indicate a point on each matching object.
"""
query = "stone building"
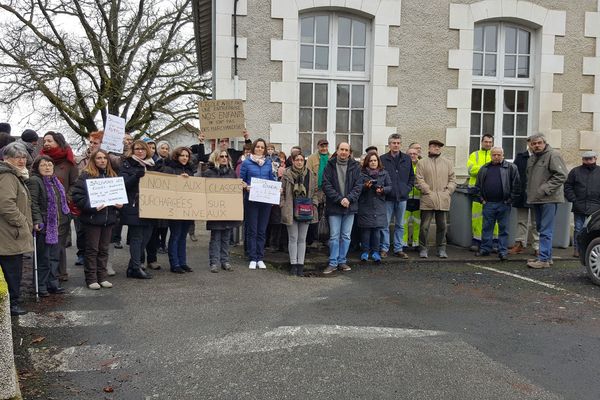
(358, 70)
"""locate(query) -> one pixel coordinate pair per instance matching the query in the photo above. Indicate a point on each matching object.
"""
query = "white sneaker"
(94, 286)
(106, 284)
(252, 265)
(110, 271)
(261, 265)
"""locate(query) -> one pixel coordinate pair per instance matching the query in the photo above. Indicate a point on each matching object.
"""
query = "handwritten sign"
(222, 118)
(114, 131)
(168, 196)
(265, 191)
(107, 191)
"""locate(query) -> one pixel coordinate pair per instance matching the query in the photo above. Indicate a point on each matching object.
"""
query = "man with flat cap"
(316, 163)
(436, 180)
(582, 188)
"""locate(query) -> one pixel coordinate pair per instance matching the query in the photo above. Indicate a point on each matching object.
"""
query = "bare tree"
(82, 59)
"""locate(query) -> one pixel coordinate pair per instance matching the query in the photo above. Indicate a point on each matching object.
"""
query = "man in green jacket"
(546, 175)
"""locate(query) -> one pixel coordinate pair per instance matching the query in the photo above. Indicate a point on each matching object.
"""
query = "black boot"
(300, 269)
(138, 273)
(293, 269)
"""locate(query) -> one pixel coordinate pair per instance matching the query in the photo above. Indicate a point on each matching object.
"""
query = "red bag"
(75, 211)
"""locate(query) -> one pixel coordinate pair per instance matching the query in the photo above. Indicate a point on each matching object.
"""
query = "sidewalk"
(316, 259)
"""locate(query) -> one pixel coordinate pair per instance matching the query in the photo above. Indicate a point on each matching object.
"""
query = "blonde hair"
(214, 158)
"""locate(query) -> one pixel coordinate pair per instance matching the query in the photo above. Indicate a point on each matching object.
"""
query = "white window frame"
(500, 83)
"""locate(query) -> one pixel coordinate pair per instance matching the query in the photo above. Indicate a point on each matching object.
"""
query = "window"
(334, 77)
(502, 86)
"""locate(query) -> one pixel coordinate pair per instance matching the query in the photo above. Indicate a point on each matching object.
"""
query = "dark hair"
(5, 139)
(58, 138)
(487, 135)
(253, 148)
(293, 156)
(370, 154)
(35, 167)
(178, 151)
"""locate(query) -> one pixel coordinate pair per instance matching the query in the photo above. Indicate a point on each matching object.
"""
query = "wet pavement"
(462, 328)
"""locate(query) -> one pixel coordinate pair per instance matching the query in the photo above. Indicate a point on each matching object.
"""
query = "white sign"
(107, 191)
(114, 132)
(265, 191)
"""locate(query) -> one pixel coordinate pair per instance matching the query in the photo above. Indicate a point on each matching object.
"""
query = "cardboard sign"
(166, 196)
(107, 191)
(265, 191)
(222, 118)
(114, 132)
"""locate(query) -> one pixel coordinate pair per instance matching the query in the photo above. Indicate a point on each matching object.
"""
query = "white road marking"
(61, 319)
(81, 291)
(499, 271)
(77, 358)
(358, 332)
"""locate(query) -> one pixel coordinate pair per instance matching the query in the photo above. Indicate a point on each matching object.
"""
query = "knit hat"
(29, 135)
(5, 127)
(149, 140)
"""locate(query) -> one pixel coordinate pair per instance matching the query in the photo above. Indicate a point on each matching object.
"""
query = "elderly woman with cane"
(51, 218)
(16, 224)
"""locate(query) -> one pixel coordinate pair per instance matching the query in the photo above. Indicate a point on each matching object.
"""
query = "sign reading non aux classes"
(166, 196)
(222, 118)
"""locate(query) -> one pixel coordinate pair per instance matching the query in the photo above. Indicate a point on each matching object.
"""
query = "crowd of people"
(394, 196)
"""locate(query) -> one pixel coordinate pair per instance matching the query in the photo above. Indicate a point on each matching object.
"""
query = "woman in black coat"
(179, 164)
(140, 229)
(97, 222)
(372, 214)
(51, 218)
(220, 231)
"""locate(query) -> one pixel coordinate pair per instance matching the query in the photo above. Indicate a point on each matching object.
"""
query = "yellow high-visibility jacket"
(477, 159)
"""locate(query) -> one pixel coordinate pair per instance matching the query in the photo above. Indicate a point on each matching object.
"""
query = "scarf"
(372, 172)
(341, 168)
(260, 160)
(58, 154)
(148, 162)
(299, 175)
(23, 172)
(50, 183)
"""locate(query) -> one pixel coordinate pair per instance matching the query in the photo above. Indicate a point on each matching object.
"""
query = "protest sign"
(222, 118)
(107, 191)
(168, 196)
(265, 191)
(114, 131)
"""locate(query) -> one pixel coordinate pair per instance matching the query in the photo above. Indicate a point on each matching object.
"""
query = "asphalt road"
(449, 330)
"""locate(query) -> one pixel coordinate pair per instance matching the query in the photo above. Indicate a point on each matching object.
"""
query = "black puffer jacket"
(509, 176)
(89, 215)
(132, 172)
(582, 188)
(216, 172)
(372, 211)
(176, 168)
(39, 205)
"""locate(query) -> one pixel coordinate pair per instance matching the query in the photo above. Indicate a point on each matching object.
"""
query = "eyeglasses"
(222, 156)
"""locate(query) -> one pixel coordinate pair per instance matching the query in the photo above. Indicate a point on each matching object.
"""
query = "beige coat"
(16, 226)
(287, 197)
(436, 181)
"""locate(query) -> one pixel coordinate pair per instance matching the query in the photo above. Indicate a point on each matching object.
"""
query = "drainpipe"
(236, 94)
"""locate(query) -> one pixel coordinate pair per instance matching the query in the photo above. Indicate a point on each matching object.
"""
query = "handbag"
(413, 205)
(303, 206)
(75, 211)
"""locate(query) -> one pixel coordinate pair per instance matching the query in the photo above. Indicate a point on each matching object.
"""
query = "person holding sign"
(220, 231)
(140, 229)
(299, 200)
(179, 164)
(256, 216)
(97, 222)
(50, 213)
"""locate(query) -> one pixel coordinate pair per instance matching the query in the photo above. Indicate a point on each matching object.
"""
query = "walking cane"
(35, 275)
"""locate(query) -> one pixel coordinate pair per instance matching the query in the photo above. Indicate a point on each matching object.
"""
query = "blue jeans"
(495, 212)
(369, 239)
(340, 228)
(256, 221)
(177, 241)
(394, 209)
(579, 220)
(544, 218)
